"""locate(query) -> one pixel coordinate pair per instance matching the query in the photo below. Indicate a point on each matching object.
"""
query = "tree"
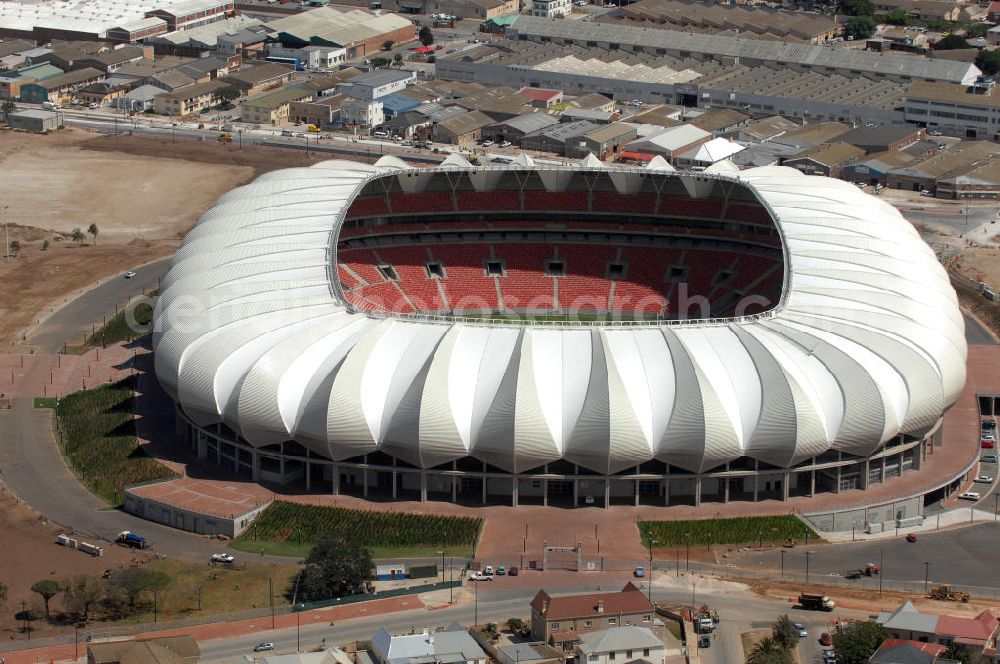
(335, 567)
(92, 229)
(379, 62)
(81, 593)
(77, 235)
(431, 59)
(425, 36)
(768, 651)
(7, 108)
(857, 7)
(516, 625)
(897, 17)
(45, 245)
(860, 27)
(134, 581)
(961, 653)
(950, 43)
(48, 589)
(15, 246)
(858, 642)
(988, 61)
(228, 93)
(387, 44)
(976, 29)
(397, 60)
(785, 634)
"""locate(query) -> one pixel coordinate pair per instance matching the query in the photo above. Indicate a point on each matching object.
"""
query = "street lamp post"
(475, 618)
(783, 552)
(881, 571)
(687, 555)
(677, 560)
(451, 585)
(442, 564)
(298, 632)
(927, 572)
(808, 553)
(649, 594)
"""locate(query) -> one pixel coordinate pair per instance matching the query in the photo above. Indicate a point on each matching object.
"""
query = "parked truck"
(131, 539)
(816, 602)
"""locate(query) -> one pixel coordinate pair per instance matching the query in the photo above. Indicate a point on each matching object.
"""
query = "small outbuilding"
(36, 121)
(390, 571)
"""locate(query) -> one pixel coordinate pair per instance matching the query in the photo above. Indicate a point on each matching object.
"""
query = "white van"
(49, 106)
(381, 134)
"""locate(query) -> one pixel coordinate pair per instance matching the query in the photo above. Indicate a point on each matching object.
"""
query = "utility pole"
(927, 572)
(270, 600)
(475, 619)
(782, 564)
(298, 642)
(6, 230)
(881, 571)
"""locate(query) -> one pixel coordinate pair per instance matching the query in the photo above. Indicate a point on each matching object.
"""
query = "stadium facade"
(561, 335)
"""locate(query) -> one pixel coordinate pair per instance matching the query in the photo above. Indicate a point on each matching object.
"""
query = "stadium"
(562, 335)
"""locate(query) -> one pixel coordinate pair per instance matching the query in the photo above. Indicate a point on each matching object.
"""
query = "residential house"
(375, 84)
(542, 97)
(590, 611)
(514, 129)
(171, 80)
(555, 138)
(328, 656)
(765, 129)
(721, 121)
(462, 129)
(909, 623)
(993, 36)
(874, 169)
(603, 142)
(263, 77)
(454, 646)
(529, 653)
(272, 108)
(138, 100)
(827, 159)
(320, 112)
(901, 651)
(810, 135)
(362, 112)
(188, 100)
(157, 650)
(11, 81)
(100, 93)
(550, 8)
(670, 142)
(59, 88)
(619, 644)
(326, 86)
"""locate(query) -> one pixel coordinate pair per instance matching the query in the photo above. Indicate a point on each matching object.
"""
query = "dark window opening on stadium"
(388, 272)
(613, 47)
(434, 270)
(616, 271)
(555, 268)
(677, 273)
(495, 269)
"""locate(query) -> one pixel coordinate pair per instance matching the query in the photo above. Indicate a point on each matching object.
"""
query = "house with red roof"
(904, 651)
(561, 618)
(907, 623)
(542, 97)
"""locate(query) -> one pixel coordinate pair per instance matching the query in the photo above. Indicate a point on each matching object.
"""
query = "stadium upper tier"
(258, 327)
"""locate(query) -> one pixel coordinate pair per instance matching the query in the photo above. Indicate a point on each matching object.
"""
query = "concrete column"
(336, 479)
(725, 487)
(202, 442)
(863, 484)
(308, 476)
(666, 492)
(364, 481)
(255, 474)
(784, 485)
(839, 469)
(423, 486)
(812, 483)
(636, 492)
(576, 492)
(884, 464)
(756, 479)
(281, 468)
(918, 457)
(454, 488)
(697, 491)
(545, 492)
(395, 483)
(513, 490)
(484, 487)
(607, 492)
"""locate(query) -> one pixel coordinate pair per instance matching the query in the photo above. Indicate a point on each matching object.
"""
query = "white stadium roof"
(867, 343)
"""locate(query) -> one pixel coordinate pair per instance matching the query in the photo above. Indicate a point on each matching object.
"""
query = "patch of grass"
(46, 402)
(289, 529)
(724, 531)
(97, 437)
(127, 324)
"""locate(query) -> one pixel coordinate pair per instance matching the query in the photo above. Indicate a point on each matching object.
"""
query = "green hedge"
(98, 439)
(117, 327)
(724, 531)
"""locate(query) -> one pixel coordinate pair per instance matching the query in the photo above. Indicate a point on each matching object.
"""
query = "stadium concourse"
(576, 336)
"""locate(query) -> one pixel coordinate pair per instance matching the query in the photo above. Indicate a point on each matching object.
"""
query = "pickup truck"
(479, 576)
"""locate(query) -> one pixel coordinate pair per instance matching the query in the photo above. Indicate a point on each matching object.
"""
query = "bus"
(294, 62)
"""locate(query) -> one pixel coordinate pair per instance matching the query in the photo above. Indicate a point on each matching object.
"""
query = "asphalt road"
(976, 334)
(68, 323)
(740, 612)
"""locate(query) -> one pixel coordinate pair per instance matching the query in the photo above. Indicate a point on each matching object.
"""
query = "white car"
(487, 143)
(969, 495)
(261, 647)
(505, 144)
(984, 479)
(479, 576)
(926, 192)
(129, 275)
(801, 628)
(222, 558)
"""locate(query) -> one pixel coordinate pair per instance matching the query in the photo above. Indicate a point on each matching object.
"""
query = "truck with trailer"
(131, 539)
(816, 602)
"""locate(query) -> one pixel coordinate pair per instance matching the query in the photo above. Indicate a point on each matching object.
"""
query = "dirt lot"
(31, 551)
(144, 195)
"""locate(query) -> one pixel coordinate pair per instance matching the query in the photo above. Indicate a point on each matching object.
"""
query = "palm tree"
(767, 651)
(92, 229)
(7, 108)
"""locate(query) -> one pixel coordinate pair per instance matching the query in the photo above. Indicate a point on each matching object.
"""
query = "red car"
(987, 444)
(825, 640)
